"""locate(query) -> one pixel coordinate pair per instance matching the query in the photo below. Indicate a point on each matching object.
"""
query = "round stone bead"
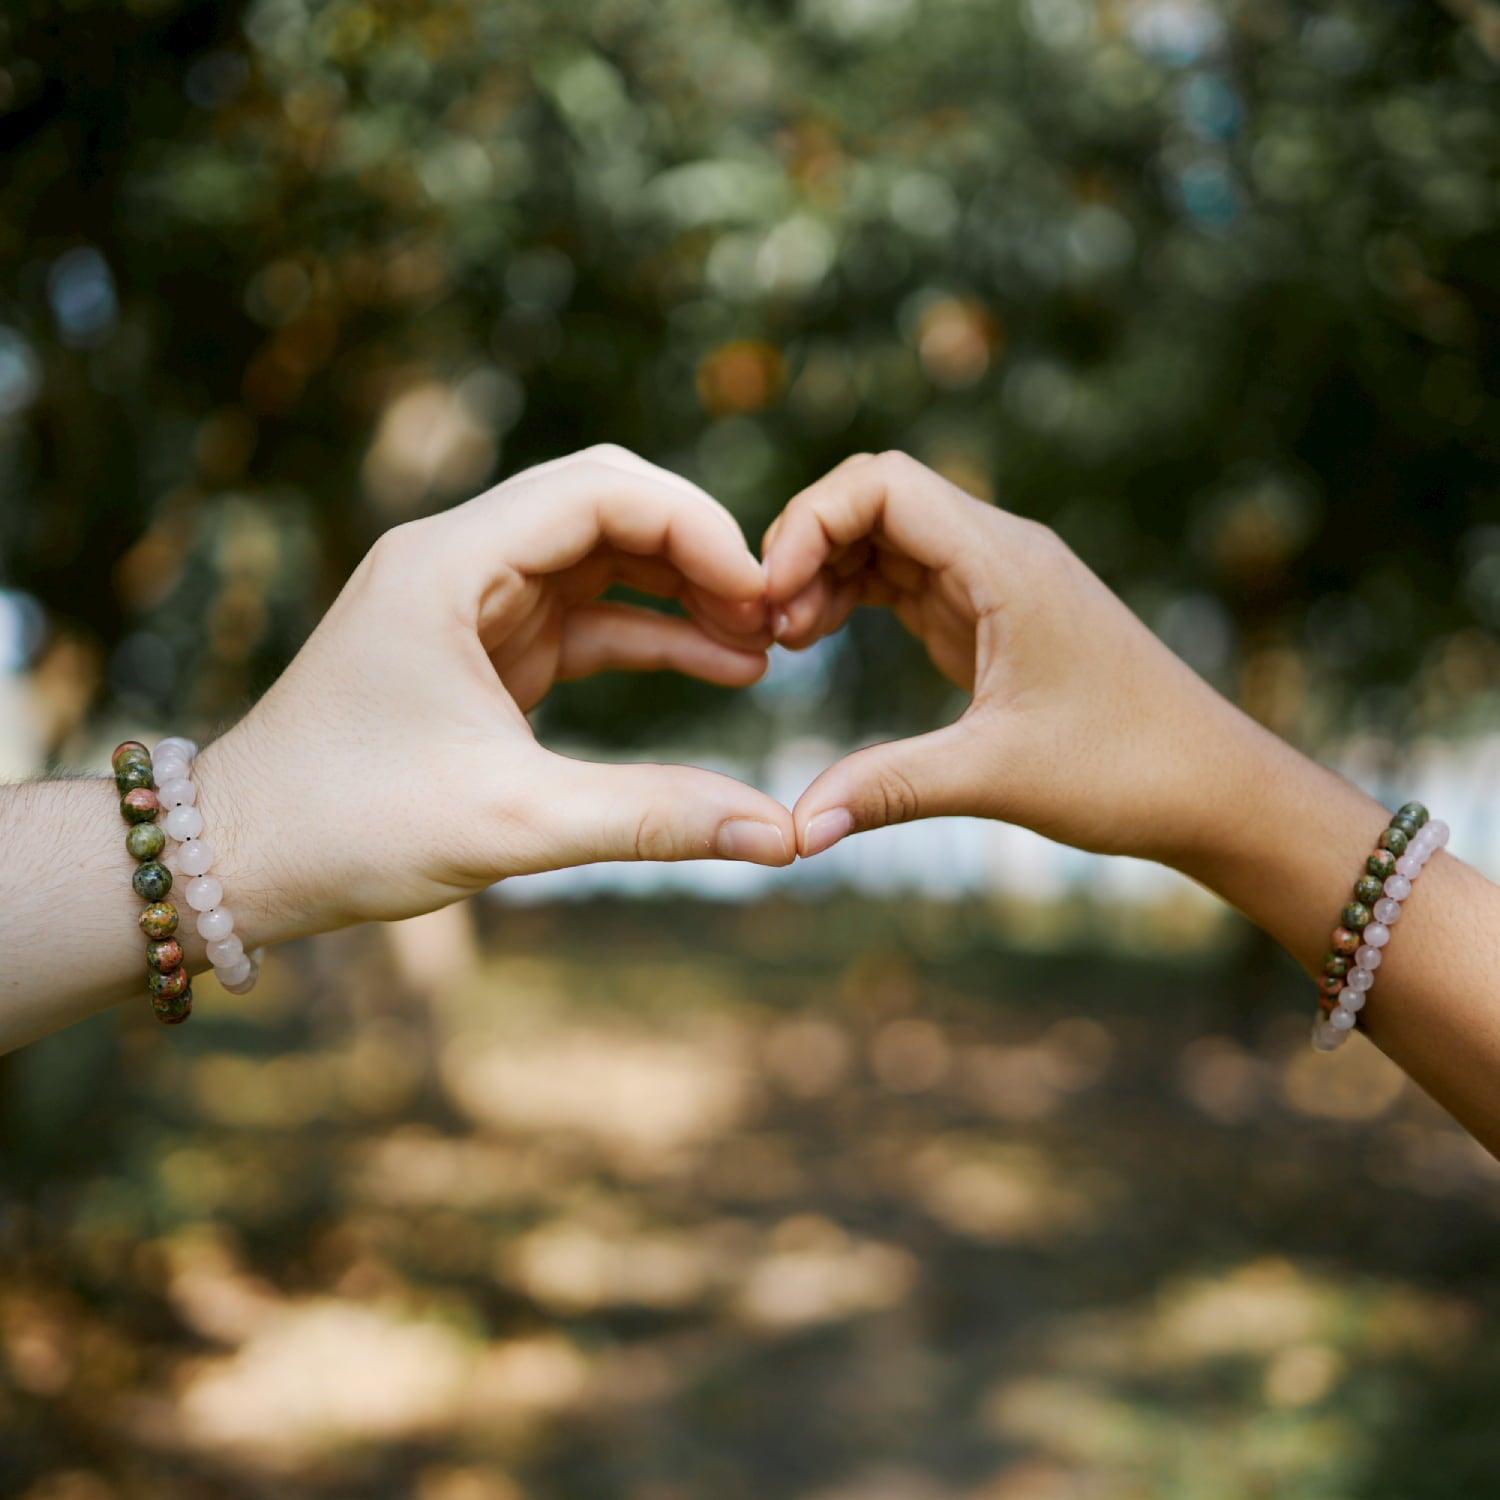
(1344, 941)
(1341, 1019)
(152, 880)
(132, 774)
(127, 750)
(226, 952)
(159, 920)
(1434, 836)
(1398, 887)
(1355, 915)
(1361, 980)
(1325, 1038)
(1395, 840)
(195, 858)
(169, 983)
(1366, 889)
(145, 840)
(174, 744)
(1368, 958)
(245, 985)
(140, 805)
(164, 954)
(1388, 911)
(173, 1010)
(184, 823)
(1331, 984)
(1410, 865)
(215, 924)
(169, 768)
(1377, 935)
(1380, 864)
(1408, 826)
(179, 792)
(236, 972)
(1335, 964)
(1413, 810)
(204, 893)
(1351, 999)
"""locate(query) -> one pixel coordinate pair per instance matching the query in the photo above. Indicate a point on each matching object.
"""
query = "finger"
(546, 522)
(622, 637)
(928, 776)
(735, 622)
(891, 497)
(653, 812)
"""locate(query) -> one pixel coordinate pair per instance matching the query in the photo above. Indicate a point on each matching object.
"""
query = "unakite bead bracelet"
(167, 980)
(1401, 854)
(172, 764)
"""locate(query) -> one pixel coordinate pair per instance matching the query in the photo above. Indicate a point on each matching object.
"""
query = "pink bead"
(1409, 865)
(204, 893)
(1360, 979)
(169, 768)
(1377, 935)
(1434, 834)
(226, 952)
(215, 924)
(195, 858)
(1341, 1019)
(1398, 887)
(174, 744)
(1326, 1038)
(238, 971)
(177, 793)
(1368, 958)
(245, 985)
(1387, 911)
(183, 823)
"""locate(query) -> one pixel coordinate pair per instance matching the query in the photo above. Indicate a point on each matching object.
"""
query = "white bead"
(204, 893)
(195, 858)
(169, 768)
(215, 924)
(183, 823)
(1409, 865)
(1368, 958)
(226, 952)
(1398, 887)
(178, 792)
(175, 744)
(1360, 979)
(1377, 935)
(1387, 911)
(1353, 1001)
(238, 971)
(243, 986)
(1341, 1019)
(1434, 835)
(1325, 1038)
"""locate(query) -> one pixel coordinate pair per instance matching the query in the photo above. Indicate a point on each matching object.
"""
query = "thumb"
(930, 776)
(630, 812)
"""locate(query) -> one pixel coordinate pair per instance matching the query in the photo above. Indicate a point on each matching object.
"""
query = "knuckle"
(654, 836)
(604, 453)
(895, 796)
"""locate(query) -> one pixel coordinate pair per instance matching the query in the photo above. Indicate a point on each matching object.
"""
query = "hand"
(1081, 724)
(391, 769)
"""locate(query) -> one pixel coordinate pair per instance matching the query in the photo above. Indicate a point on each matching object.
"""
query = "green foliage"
(1212, 290)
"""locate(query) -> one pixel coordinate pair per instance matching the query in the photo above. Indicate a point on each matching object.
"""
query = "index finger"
(889, 496)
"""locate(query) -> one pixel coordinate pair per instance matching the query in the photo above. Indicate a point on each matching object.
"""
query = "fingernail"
(825, 830)
(757, 843)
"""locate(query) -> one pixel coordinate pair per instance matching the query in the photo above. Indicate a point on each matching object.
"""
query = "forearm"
(1288, 841)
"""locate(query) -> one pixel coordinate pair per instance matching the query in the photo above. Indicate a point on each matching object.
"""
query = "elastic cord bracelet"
(237, 971)
(1348, 976)
(167, 980)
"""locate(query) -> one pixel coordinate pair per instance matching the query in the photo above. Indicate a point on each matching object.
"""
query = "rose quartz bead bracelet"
(172, 762)
(1401, 854)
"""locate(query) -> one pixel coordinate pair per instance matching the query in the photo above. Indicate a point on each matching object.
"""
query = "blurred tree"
(1211, 288)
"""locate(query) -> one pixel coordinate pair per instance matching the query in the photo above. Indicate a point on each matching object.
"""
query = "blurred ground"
(653, 1201)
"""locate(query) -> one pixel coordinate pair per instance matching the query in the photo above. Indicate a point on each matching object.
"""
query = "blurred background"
(953, 1166)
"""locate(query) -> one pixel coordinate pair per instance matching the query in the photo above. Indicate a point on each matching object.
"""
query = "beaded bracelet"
(1401, 853)
(237, 971)
(167, 980)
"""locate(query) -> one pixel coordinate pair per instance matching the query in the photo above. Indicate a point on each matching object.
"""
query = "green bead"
(173, 1010)
(1381, 864)
(133, 774)
(1368, 889)
(1336, 965)
(1415, 811)
(1357, 916)
(1330, 984)
(164, 954)
(152, 880)
(1408, 826)
(139, 805)
(1395, 840)
(159, 920)
(167, 984)
(128, 750)
(145, 841)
